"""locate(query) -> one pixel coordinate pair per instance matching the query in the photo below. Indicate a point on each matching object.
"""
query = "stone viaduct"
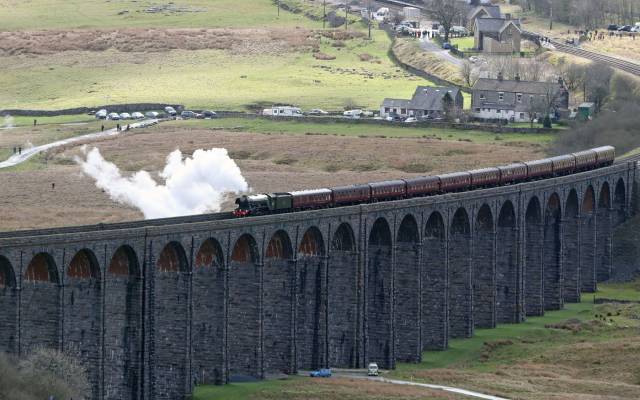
(154, 307)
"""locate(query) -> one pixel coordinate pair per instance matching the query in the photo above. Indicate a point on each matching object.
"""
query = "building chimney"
(518, 77)
(500, 76)
(507, 16)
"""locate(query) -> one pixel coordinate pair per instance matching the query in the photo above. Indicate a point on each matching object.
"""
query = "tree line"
(587, 14)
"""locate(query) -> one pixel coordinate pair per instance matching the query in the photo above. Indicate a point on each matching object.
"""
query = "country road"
(32, 151)
(432, 47)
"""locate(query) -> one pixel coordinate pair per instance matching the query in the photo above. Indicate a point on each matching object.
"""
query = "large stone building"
(517, 100)
(497, 35)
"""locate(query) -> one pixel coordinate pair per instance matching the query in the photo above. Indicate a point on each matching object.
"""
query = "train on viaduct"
(152, 308)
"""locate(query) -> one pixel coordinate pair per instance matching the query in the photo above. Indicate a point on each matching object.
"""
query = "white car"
(137, 115)
(410, 120)
(372, 369)
(125, 116)
(170, 111)
(355, 114)
(102, 114)
(151, 114)
(114, 116)
(317, 111)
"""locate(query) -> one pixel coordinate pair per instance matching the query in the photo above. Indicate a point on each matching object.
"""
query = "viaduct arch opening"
(278, 304)
(619, 203)
(603, 234)
(207, 329)
(552, 269)
(507, 271)
(311, 327)
(83, 313)
(123, 321)
(435, 328)
(533, 282)
(571, 250)
(40, 298)
(379, 295)
(460, 294)
(484, 283)
(407, 292)
(171, 309)
(588, 241)
(244, 315)
(344, 318)
(9, 305)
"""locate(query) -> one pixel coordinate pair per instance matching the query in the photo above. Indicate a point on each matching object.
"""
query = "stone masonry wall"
(407, 302)
(484, 280)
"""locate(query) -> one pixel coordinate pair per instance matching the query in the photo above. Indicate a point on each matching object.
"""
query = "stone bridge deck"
(154, 307)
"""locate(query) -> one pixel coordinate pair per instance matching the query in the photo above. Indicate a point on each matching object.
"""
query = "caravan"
(282, 111)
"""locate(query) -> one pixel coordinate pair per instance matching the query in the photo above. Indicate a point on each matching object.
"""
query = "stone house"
(427, 101)
(517, 100)
(482, 11)
(497, 35)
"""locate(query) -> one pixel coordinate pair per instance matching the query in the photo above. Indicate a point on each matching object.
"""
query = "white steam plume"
(194, 185)
(8, 122)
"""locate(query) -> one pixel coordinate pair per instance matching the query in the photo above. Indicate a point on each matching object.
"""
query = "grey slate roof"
(528, 87)
(494, 25)
(492, 10)
(404, 103)
(430, 97)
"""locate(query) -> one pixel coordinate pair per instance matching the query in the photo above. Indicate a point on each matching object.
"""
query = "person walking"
(19, 150)
(102, 128)
(35, 122)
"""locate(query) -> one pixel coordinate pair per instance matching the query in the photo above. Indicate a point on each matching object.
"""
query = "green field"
(464, 43)
(538, 340)
(273, 126)
(65, 14)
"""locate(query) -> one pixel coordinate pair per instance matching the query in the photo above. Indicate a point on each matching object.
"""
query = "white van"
(373, 370)
(283, 111)
(353, 114)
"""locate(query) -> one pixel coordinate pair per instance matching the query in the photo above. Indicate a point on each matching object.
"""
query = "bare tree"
(468, 73)
(446, 12)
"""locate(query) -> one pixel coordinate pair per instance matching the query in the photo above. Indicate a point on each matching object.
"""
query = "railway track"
(624, 65)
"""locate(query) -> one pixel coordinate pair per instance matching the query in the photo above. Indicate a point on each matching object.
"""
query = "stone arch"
(83, 265)
(312, 243)
(342, 297)
(435, 326)
(311, 311)
(83, 313)
(172, 258)
(407, 291)
(552, 265)
(379, 295)
(40, 304)
(209, 255)
(278, 303)
(171, 321)
(603, 233)
(41, 268)
(587, 241)
(123, 333)
(534, 236)
(207, 327)
(460, 280)
(619, 202)
(571, 249)
(484, 283)
(245, 294)
(9, 305)
(507, 274)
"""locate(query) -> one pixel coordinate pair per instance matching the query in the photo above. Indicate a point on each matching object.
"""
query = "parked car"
(317, 111)
(170, 111)
(151, 114)
(321, 373)
(372, 369)
(125, 115)
(354, 114)
(447, 46)
(612, 27)
(460, 30)
(114, 116)
(208, 114)
(188, 114)
(625, 28)
(410, 120)
(102, 114)
(367, 113)
(137, 115)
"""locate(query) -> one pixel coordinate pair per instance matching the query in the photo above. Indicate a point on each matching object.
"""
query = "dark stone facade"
(154, 308)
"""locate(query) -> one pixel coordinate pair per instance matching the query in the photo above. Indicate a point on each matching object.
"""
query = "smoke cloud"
(8, 122)
(193, 185)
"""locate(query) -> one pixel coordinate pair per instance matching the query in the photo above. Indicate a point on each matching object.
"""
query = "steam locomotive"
(261, 204)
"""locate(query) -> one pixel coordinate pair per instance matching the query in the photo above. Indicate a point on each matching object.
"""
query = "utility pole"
(551, 15)
(369, 17)
(324, 14)
(278, 1)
